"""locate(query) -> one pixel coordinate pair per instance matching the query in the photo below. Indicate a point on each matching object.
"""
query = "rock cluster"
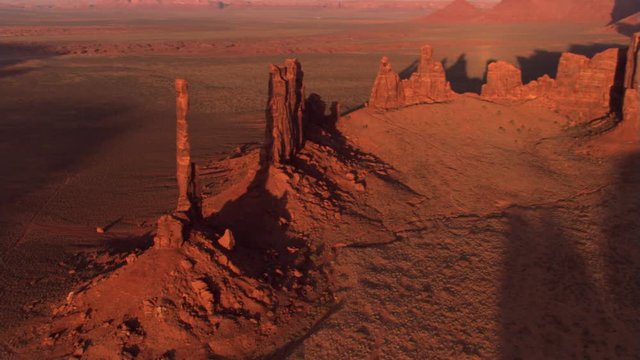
(284, 114)
(428, 85)
(584, 89)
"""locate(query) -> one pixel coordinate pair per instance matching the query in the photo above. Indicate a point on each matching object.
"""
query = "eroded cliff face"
(285, 110)
(504, 83)
(586, 89)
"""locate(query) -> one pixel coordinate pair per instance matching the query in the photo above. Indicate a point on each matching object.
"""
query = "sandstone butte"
(199, 294)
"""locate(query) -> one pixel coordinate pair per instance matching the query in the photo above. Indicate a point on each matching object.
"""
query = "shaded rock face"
(631, 70)
(630, 104)
(586, 88)
(387, 93)
(284, 115)
(429, 84)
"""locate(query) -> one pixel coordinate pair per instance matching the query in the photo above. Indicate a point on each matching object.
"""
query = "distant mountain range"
(609, 11)
(407, 4)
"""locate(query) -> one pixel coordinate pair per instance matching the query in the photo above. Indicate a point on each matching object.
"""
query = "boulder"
(227, 240)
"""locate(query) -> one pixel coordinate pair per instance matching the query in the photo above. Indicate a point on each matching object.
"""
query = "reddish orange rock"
(584, 86)
(538, 88)
(183, 147)
(429, 84)
(387, 93)
(170, 232)
(284, 115)
(504, 81)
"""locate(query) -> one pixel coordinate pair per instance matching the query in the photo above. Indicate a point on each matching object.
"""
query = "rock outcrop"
(285, 110)
(504, 83)
(425, 86)
(429, 84)
(586, 88)
(170, 232)
(387, 92)
(630, 106)
(172, 227)
(183, 147)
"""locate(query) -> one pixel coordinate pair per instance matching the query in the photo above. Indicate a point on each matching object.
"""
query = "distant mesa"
(459, 11)
(510, 11)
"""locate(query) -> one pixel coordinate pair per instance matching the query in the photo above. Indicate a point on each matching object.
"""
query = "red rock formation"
(584, 87)
(387, 92)
(285, 108)
(170, 232)
(538, 88)
(183, 147)
(632, 63)
(504, 81)
(429, 84)
(630, 106)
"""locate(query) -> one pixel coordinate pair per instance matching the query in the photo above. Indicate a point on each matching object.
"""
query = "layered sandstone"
(429, 84)
(504, 82)
(586, 88)
(285, 110)
(387, 92)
